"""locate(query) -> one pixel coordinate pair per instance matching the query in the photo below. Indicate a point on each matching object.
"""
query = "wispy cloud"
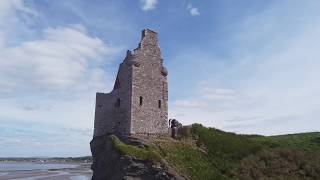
(218, 94)
(272, 69)
(8, 7)
(63, 59)
(193, 10)
(19, 141)
(260, 68)
(11, 20)
(148, 4)
(49, 77)
(189, 104)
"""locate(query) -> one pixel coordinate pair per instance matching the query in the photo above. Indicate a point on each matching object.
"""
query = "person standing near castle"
(174, 125)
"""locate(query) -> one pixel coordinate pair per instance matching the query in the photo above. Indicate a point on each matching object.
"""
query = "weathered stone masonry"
(138, 103)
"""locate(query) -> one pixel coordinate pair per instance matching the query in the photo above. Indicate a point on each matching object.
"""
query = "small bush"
(280, 163)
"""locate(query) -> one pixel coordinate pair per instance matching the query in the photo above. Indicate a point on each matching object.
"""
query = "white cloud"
(58, 60)
(7, 7)
(208, 96)
(47, 140)
(9, 18)
(65, 58)
(148, 4)
(50, 78)
(218, 94)
(193, 10)
(273, 70)
(188, 104)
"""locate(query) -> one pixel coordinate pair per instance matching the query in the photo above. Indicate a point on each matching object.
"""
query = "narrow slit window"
(159, 103)
(118, 102)
(141, 99)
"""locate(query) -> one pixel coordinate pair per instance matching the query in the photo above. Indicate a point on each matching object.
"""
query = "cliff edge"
(129, 158)
(207, 153)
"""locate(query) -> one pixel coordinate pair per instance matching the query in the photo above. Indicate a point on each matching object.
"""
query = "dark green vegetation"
(231, 156)
(208, 153)
(303, 141)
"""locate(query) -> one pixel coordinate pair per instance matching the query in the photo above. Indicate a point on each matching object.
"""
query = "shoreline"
(74, 171)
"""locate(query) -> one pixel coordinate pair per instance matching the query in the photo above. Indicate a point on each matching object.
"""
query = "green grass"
(206, 153)
(188, 160)
(134, 151)
(229, 145)
(215, 154)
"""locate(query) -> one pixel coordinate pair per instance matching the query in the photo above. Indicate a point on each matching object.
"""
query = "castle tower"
(138, 103)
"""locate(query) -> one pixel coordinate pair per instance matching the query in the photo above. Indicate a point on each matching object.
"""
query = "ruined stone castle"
(138, 103)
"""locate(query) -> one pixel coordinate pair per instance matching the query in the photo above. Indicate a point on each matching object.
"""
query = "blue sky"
(242, 66)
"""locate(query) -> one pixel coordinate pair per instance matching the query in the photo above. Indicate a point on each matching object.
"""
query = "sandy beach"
(38, 172)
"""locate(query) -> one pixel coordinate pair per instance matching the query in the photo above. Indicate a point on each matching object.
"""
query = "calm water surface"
(25, 166)
(44, 171)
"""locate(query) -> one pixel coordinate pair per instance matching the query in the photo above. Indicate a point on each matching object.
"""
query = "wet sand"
(81, 172)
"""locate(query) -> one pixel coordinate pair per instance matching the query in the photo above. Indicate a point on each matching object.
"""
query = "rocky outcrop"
(109, 163)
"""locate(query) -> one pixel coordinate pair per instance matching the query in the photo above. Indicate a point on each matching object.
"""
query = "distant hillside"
(208, 153)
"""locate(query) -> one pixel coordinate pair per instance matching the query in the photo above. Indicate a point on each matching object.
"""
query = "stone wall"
(138, 103)
(150, 83)
(113, 110)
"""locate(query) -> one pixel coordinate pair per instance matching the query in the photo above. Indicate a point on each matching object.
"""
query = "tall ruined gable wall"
(140, 75)
(149, 83)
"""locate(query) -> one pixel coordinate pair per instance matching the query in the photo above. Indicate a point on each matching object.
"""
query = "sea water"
(26, 166)
(48, 171)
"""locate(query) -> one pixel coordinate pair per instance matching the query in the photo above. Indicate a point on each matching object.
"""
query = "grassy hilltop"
(208, 153)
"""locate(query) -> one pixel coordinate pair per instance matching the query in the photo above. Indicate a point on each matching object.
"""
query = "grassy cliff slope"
(208, 153)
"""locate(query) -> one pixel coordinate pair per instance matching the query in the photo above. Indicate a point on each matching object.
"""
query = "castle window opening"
(159, 103)
(141, 99)
(118, 102)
